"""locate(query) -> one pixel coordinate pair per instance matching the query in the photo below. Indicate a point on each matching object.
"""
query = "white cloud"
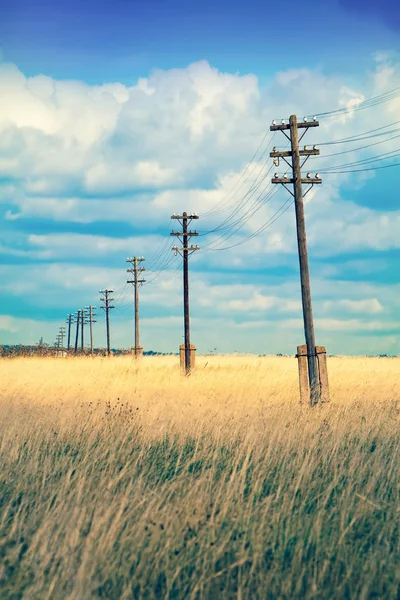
(62, 140)
(22, 329)
(100, 178)
(177, 140)
(367, 306)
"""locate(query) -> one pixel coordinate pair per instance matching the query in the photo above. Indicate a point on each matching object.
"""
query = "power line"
(364, 136)
(379, 157)
(160, 270)
(215, 210)
(175, 273)
(242, 221)
(363, 170)
(361, 147)
(369, 103)
(263, 227)
(249, 194)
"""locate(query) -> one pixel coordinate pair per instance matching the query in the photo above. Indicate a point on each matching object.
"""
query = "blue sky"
(119, 40)
(115, 115)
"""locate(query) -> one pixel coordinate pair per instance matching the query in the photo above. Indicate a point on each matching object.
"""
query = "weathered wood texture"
(304, 269)
(323, 373)
(303, 374)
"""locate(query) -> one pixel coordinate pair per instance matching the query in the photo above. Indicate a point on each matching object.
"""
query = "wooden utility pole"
(61, 335)
(136, 282)
(184, 237)
(295, 153)
(83, 321)
(90, 316)
(69, 322)
(78, 320)
(107, 307)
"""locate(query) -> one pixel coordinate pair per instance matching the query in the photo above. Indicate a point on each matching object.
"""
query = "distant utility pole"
(184, 237)
(297, 180)
(78, 320)
(61, 335)
(136, 282)
(107, 307)
(90, 319)
(70, 320)
(83, 323)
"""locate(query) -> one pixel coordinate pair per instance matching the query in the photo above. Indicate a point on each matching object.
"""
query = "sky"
(115, 115)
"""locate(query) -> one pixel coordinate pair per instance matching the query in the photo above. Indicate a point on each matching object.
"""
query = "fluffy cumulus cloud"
(105, 166)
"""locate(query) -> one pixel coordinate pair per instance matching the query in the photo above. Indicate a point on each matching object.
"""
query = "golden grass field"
(125, 480)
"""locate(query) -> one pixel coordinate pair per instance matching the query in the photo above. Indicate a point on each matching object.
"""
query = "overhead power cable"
(230, 233)
(363, 170)
(379, 157)
(246, 198)
(263, 227)
(369, 103)
(359, 148)
(367, 135)
(227, 198)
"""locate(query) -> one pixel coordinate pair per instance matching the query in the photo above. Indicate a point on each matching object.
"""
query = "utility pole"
(78, 320)
(91, 320)
(70, 320)
(136, 282)
(83, 323)
(107, 307)
(58, 343)
(61, 335)
(184, 237)
(297, 180)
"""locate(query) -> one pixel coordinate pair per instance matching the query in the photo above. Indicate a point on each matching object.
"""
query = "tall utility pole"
(136, 282)
(90, 319)
(297, 180)
(78, 320)
(107, 307)
(184, 237)
(70, 320)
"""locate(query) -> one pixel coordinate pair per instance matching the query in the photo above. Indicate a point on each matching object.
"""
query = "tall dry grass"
(126, 482)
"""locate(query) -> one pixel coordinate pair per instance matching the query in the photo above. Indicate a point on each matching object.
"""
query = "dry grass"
(119, 482)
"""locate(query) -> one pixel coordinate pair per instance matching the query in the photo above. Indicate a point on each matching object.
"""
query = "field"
(127, 481)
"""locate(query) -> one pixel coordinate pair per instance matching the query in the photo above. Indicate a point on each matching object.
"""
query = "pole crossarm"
(286, 153)
(188, 216)
(183, 234)
(300, 125)
(286, 180)
(188, 250)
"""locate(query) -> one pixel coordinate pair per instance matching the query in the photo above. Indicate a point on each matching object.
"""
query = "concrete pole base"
(137, 351)
(302, 357)
(192, 357)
